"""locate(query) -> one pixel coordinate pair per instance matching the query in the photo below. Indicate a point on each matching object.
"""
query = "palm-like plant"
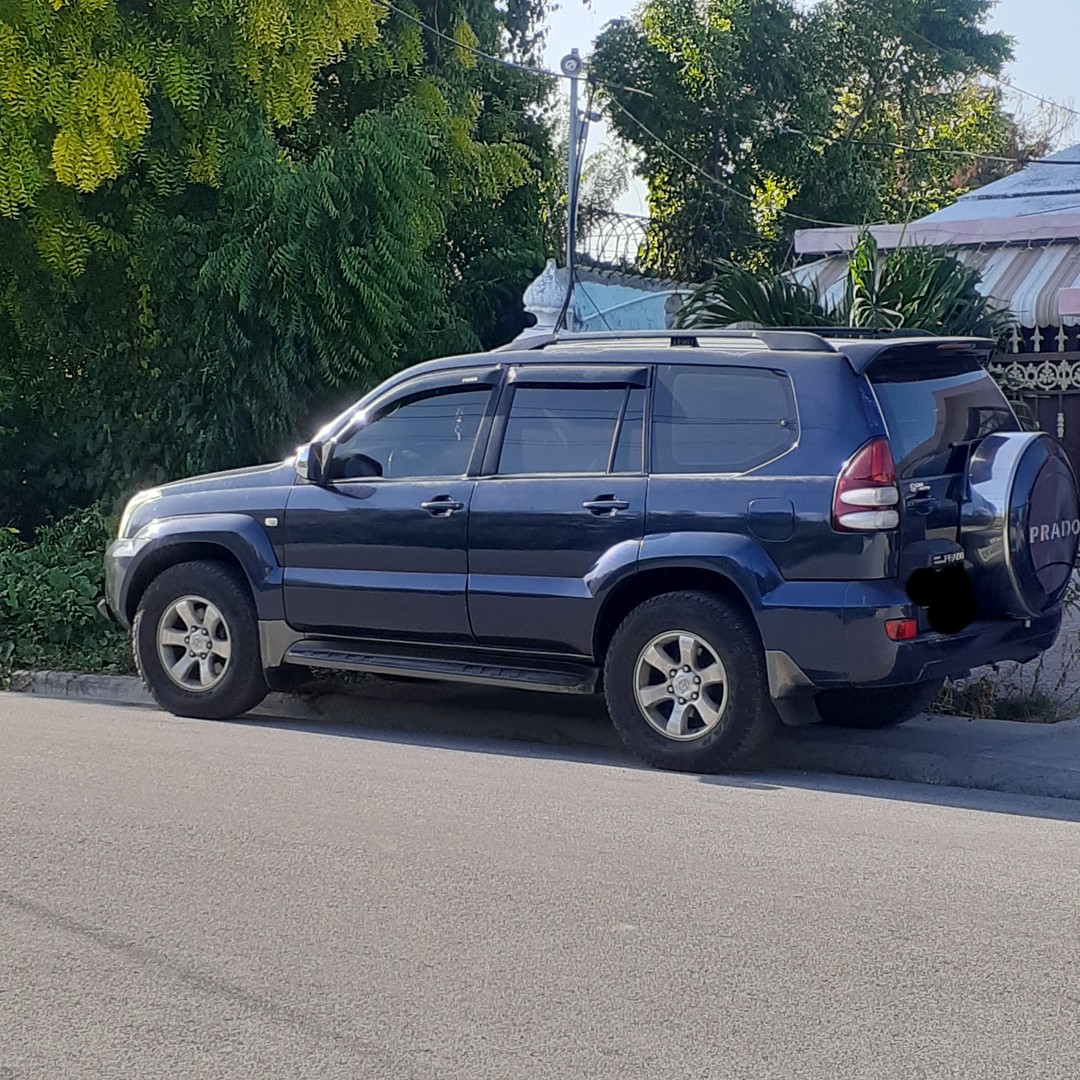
(917, 288)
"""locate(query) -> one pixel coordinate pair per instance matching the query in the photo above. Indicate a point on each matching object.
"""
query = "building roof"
(1040, 203)
(1022, 234)
(1045, 187)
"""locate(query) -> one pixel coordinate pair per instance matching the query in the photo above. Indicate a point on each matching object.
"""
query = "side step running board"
(559, 678)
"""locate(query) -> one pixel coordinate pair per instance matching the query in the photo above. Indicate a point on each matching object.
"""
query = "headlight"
(134, 503)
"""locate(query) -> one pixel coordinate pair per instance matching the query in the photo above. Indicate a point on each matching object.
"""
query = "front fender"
(131, 564)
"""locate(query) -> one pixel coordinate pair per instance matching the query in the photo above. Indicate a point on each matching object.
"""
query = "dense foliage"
(921, 288)
(85, 86)
(769, 115)
(221, 220)
(47, 595)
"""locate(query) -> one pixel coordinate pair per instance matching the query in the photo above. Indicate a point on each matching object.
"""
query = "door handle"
(605, 505)
(442, 506)
(922, 506)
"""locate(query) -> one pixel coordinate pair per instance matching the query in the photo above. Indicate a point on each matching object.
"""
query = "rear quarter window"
(720, 419)
(930, 416)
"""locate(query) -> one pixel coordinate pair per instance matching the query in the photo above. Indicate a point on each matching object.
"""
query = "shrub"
(48, 591)
(1043, 691)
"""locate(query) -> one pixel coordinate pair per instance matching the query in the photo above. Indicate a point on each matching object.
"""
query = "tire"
(738, 716)
(873, 710)
(172, 610)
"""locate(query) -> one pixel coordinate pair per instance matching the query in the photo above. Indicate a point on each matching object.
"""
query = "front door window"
(415, 438)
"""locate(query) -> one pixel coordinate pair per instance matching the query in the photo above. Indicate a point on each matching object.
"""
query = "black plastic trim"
(555, 677)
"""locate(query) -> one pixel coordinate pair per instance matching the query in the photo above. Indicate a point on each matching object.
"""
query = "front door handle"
(605, 505)
(442, 506)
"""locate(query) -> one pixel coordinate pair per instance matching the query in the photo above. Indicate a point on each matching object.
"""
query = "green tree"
(175, 321)
(766, 114)
(88, 84)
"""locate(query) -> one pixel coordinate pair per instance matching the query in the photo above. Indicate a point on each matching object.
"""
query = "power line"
(996, 78)
(715, 179)
(1036, 97)
(946, 151)
(500, 60)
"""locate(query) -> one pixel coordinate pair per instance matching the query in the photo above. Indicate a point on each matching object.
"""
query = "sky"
(1047, 34)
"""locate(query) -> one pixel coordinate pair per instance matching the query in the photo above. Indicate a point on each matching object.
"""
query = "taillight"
(901, 629)
(867, 498)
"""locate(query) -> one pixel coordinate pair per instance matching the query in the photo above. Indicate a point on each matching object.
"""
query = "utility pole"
(572, 66)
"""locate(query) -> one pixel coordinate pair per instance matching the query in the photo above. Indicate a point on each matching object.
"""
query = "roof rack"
(799, 340)
(864, 333)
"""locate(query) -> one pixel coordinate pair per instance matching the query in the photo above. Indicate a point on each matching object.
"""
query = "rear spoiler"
(862, 355)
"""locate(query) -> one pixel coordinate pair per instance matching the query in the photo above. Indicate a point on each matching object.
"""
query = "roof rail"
(864, 333)
(798, 340)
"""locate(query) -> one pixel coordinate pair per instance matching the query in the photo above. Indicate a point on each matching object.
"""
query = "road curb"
(376, 704)
(985, 755)
(105, 689)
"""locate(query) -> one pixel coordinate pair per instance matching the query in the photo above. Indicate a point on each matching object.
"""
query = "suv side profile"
(718, 530)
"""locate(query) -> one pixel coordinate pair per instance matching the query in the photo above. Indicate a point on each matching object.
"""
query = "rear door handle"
(442, 506)
(605, 504)
(922, 506)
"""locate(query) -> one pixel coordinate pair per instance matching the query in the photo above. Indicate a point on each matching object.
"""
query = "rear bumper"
(840, 639)
(945, 656)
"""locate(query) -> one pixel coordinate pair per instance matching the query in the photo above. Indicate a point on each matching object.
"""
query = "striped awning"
(1027, 279)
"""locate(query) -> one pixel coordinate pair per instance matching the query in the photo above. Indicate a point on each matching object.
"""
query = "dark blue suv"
(718, 530)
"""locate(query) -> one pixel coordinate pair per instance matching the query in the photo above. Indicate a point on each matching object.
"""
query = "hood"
(260, 489)
(255, 476)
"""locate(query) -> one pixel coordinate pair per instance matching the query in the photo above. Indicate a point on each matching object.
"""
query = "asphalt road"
(186, 899)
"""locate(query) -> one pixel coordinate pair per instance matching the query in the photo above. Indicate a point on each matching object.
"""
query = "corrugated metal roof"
(1041, 202)
(1036, 190)
(1027, 279)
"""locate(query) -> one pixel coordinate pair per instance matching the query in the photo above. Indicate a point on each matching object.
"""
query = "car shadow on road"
(526, 725)
(930, 794)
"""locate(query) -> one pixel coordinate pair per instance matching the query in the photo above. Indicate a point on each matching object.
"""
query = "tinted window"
(628, 451)
(572, 429)
(720, 420)
(430, 435)
(927, 418)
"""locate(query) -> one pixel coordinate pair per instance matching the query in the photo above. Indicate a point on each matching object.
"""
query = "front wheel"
(873, 710)
(196, 642)
(685, 683)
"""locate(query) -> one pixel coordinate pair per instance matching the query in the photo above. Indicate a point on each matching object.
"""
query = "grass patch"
(985, 699)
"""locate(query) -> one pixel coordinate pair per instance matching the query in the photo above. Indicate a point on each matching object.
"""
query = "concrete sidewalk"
(988, 755)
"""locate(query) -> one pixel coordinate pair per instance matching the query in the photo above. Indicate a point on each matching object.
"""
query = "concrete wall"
(602, 301)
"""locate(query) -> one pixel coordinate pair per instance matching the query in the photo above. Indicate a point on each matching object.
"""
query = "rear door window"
(576, 429)
(720, 419)
(934, 414)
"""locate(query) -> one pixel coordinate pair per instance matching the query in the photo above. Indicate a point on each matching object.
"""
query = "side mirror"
(309, 462)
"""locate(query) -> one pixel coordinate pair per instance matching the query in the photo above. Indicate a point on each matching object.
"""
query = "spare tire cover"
(1020, 526)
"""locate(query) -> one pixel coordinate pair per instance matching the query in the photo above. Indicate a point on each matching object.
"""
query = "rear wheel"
(685, 683)
(197, 644)
(873, 710)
